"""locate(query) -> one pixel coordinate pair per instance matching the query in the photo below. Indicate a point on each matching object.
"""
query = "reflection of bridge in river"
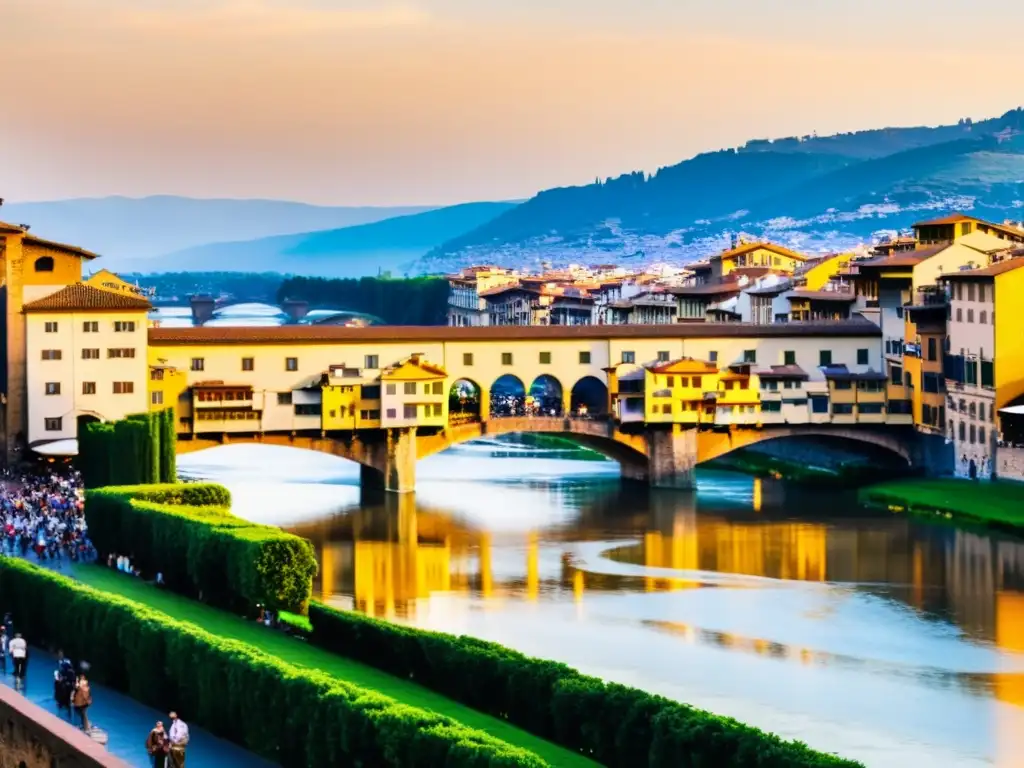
(389, 556)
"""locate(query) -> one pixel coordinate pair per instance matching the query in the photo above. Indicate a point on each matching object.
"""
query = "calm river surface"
(896, 642)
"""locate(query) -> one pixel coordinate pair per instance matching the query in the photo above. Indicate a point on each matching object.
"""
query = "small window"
(862, 355)
(53, 425)
(697, 382)
(50, 327)
(437, 388)
(896, 375)
(584, 358)
(124, 326)
(53, 387)
(391, 389)
(198, 364)
(88, 387)
(284, 398)
(124, 387)
(291, 363)
(983, 317)
(156, 398)
(970, 315)
(371, 361)
(91, 326)
(409, 412)
(713, 356)
(506, 358)
(959, 315)
(981, 435)
(825, 357)
(789, 357)
(44, 264)
(467, 358)
(51, 354)
(629, 357)
(121, 353)
(391, 413)
(750, 356)
(248, 364)
(545, 358)
(663, 356)
(670, 381)
(410, 388)
(437, 409)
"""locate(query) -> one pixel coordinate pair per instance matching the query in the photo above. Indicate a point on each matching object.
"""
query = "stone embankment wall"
(31, 737)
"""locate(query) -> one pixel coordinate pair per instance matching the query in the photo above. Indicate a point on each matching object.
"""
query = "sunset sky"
(373, 102)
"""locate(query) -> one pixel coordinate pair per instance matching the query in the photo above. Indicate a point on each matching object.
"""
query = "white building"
(86, 360)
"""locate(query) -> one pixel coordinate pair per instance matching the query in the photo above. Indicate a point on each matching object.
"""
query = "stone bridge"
(664, 457)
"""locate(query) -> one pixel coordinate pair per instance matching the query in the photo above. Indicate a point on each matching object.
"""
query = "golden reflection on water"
(384, 558)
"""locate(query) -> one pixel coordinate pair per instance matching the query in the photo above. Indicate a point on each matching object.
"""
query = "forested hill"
(842, 184)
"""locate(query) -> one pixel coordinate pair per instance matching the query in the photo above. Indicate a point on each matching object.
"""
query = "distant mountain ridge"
(389, 245)
(816, 193)
(122, 228)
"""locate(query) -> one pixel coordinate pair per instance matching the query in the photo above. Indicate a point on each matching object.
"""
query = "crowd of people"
(42, 514)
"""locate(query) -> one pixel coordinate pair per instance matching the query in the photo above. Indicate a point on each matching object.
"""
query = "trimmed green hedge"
(613, 724)
(296, 717)
(187, 533)
(134, 451)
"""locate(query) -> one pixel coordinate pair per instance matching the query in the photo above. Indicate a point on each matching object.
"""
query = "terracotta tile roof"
(72, 249)
(903, 258)
(729, 288)
(952, 218)
(13, 229)
(841, 296)
(80, 297)
(991, 271)
(338, 334)
(687, 365)
(748, 247)
(784, 372)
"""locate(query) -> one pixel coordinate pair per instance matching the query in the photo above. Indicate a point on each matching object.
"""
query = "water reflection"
(891, 640)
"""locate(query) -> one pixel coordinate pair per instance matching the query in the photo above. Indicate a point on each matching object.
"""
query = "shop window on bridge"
(409, 411)
(437, 388)
(628, 357)
(670, 381)
(392, 413)
(988, 375)
(436, 408)
(870, 386)
(371, 392)
(901, 407)
(308, 409)
(932, 382)
(791, 384)
(633, 406)
(772, 406)
(391, 389)
(789, 357)
(696, 382)
(842, 409)
(369, 415)
(284, 398)
(872, 408)
(750, 356)
(584, 358)
(825, 357)
(409, 388)
(842, 384)
(371, 361)
(663, 356)
(819, 405)
(896, 375)
(862, 356)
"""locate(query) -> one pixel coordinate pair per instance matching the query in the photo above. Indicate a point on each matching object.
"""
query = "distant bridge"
(663, 456)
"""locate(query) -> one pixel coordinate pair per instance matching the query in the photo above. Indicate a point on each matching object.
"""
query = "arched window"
(44, 264)
(972, 410)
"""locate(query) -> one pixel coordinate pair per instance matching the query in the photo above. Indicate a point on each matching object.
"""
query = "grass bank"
(994, 504)
(305, 656)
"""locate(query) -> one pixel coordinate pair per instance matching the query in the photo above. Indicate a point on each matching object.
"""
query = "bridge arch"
(589, 396)
(507, 396)
(546, 395)
(712, 445)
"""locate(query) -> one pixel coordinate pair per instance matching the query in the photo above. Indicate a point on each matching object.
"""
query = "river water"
(897, 642)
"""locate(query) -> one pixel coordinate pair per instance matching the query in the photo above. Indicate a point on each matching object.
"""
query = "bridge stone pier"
(663, 456)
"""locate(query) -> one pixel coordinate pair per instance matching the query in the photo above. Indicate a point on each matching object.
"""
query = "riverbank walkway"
(301, 654)
(127, 722)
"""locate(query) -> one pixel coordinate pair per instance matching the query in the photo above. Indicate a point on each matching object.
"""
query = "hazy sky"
(436, 101)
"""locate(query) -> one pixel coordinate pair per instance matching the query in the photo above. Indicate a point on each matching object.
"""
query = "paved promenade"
(128, 722)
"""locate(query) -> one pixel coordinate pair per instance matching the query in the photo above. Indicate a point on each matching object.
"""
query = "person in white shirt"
(178, 736)
(19, 655)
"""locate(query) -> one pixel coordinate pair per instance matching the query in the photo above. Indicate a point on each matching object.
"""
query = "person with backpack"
(82, 700)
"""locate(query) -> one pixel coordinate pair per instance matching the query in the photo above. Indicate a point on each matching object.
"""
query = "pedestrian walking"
(3, 650)
(82, 700)
(158, 745)
(179, 741)
(19, 656)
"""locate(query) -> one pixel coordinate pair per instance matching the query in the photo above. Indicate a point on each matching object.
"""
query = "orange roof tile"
(990, 271)
(81, 298)
(748, 247)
